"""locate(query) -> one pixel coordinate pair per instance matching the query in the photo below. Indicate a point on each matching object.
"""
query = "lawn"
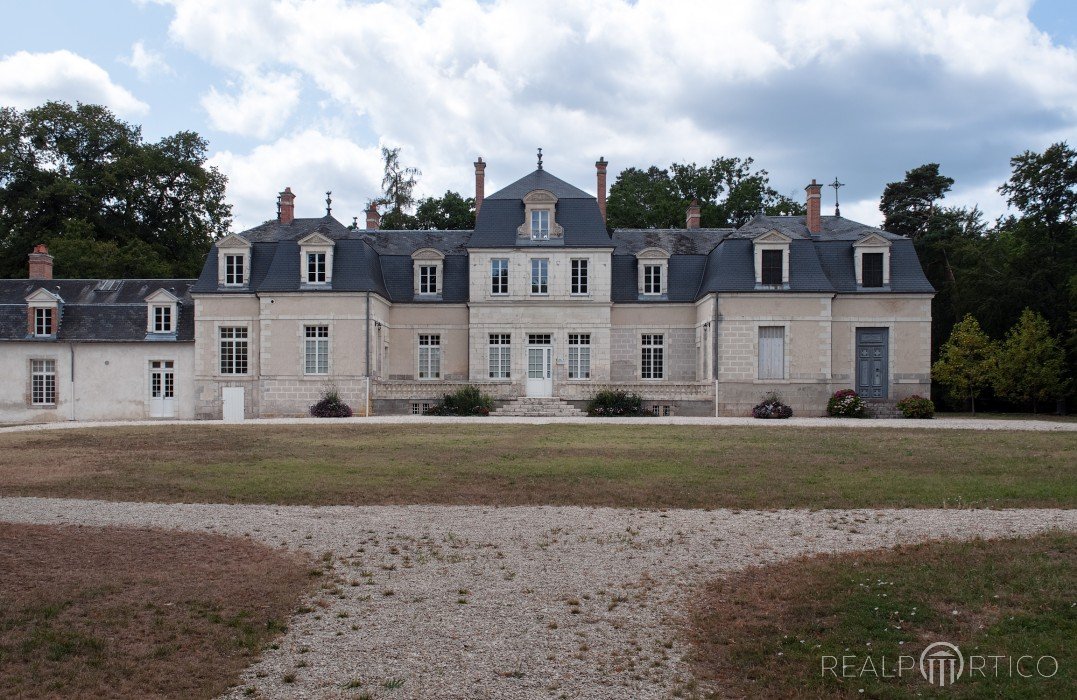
(771, 631)
(117, 612)
(612, 465)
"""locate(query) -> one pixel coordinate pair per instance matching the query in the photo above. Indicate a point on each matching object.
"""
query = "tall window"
(429, 357)
(428, 279)
(315, 268)
(771, 352)
(500, 355)
(162, 319)
(540, 224)
(316, 350)
(652, 279)
(499, 276)
(579, 356)
(772, 267)
(233, 270)
(651, 357)
(540, 276)
(162, 379)
(234, 350)
(579, 276)
(872, 269)
(43, 382)
(43, 321)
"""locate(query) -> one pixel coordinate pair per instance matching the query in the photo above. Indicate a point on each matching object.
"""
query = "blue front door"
(872, 358)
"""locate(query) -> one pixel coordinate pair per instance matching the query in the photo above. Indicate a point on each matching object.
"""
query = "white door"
(233, 402)
(539, 370)
(162, 389)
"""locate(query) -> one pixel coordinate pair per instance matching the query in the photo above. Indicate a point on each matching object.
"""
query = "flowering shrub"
(616, 403)
(846, 403)
(465, 401)
(916, 407)
(331, 406)
(772, 407)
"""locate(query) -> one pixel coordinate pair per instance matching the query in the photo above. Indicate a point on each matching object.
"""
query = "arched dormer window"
(315, 261)
(233, 261)
(429, 266)
(871, 257)
(162, 313)
(653, 278)
(540, 217)
(772, 260)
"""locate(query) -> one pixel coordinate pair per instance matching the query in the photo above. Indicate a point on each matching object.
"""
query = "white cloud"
(30, 79)
(862, 88)
(261, 107)
(147, 62)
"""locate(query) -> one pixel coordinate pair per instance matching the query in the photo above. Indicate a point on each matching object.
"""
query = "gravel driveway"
(520, 602)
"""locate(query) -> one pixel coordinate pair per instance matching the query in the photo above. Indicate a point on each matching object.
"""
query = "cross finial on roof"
(836, 185)
(328, 202)
(540, 158)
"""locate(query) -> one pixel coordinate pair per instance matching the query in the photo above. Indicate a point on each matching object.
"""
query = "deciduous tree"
(1031, 364)
(966, 364)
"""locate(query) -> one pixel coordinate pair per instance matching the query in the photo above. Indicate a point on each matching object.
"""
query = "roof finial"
(355, 223)
(540, 158)
(836, 185)
(278, 207)
(328, 202)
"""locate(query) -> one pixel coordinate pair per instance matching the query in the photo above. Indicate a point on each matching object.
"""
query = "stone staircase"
(533, 406)
(882, 408)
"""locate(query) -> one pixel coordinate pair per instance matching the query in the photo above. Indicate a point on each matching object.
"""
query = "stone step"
(538, 407)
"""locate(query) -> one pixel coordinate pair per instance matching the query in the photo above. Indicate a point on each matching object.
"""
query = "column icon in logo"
(941, 663)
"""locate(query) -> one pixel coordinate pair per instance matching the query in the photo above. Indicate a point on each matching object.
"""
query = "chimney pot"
(286, 206)
(373, 218)
(600, 171)
(693, 217)
(480, 184)
(814, 220)
(40, 263)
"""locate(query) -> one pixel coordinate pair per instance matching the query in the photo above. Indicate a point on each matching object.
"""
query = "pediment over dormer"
(872, 240)
(42, 296)
(162, 296)
(427, 254)
(233, 240)
(773, 236)
(652, 254)
(540, 197)
(315, 240)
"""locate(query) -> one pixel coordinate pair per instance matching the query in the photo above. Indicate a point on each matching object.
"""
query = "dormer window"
(163, 309)
(653, 280)
(233, 261)
(772, 260)
(428, 279)
(43, 314)
(871, 257)
(43, 320)
(316, 260)
(316, 268)
(540, 224)
(162, 319)
(234, 274)
(429, 266)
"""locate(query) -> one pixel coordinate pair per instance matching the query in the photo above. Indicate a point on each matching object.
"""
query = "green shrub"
(465, 401)
(616, 403)
(916, 407)
(846, 403)
(331, 406)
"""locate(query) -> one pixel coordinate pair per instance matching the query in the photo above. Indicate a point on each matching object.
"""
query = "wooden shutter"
(772, 352)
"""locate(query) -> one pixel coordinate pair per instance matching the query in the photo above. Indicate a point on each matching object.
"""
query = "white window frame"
(782, 277)
(235, 269)
(499, 355)
(316, 349)
(772, 240)
(320, 272)
(499, 276)
(166, 370)
(428, 359)
(579, 356)
(43, 382)
(164, 318)
(871, 243)
(540, 274)
(769, 342)
(580, 276)
(44, 321)
(652, 279)
(234, 338)
(540, 224)
(652, 357)
(428, 279)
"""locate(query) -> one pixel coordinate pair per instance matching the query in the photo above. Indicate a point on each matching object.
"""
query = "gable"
(773, 236)
(233, 240)
(872, 240)
(162, 296)
(315, 240)
(43, 296)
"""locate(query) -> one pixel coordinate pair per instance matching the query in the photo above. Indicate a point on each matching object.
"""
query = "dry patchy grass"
(606, 465)
(118, 612)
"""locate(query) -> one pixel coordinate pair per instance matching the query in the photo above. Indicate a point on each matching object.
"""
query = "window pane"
(872, 269)
(772, 267)
(499, 276)
(539, 275)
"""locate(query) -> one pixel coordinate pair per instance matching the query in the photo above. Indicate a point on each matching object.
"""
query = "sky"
(304, 93)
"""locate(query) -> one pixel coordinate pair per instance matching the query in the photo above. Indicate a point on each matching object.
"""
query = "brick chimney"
(480, 184)
(286, 206)
(814, 219)
(373, 218)
(600, 171)
(693, 216)
(40, 263)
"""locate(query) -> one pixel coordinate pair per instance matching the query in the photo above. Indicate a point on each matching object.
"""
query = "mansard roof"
(539, 180)
(95, 310)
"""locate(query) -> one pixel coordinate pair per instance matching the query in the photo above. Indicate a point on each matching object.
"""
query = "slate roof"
(89, 315)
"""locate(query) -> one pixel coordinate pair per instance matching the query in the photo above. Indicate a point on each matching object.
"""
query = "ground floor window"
(162, 379)
(43, 382)
(579, 355)
(429, 356)
(652, 360)
(420, 409)
(234, 350)
(500, 356)
(772, 352)
(316, 353)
